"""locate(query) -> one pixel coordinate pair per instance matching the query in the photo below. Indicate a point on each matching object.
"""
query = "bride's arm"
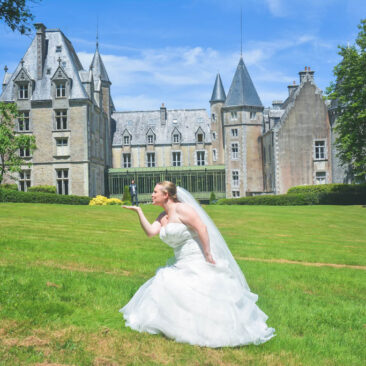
(189, 217)
(150, 229)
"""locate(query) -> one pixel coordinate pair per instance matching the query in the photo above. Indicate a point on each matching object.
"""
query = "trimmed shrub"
(7, 195)
(126, 194)
(44, 189)
(104, 201)
(274, 200)
(213, 199)
(334, 188)
(344, 198)
(13, 187)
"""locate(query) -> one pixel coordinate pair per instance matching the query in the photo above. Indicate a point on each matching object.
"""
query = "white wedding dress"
(196, 302)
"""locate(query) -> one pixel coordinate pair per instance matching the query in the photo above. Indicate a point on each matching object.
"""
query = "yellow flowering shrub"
(104, 201)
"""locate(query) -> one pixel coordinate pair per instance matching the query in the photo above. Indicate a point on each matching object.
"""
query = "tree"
(17, 15)
(349, 93)
(11, 142)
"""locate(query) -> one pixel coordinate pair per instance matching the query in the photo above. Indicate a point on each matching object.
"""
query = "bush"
(344, 198)
(44, 189)
(334, 188)
(213, 199)
(126, 194)
(7, 195)
(13, 187)
(104, 201)
(274, 200)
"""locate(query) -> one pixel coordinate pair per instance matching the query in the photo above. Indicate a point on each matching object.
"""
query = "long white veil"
(219, 248)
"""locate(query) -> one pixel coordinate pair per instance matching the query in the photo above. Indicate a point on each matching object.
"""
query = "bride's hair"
(170, 188)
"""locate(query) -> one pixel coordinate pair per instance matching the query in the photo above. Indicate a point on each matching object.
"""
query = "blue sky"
(170, 51)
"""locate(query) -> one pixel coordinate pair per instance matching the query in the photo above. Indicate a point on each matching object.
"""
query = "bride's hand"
(132, 208)
(209, 259)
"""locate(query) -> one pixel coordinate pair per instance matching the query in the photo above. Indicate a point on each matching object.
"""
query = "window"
(236, 194)
(150, 139)
(126, 140)
(58, 48)
(176, 159)
(61, 120)
(24, 180)
(234, 151)
(234, 132)
(200, 158)
(61, 90)
(61, 141)
(23, 91)
(23, 121)
(175, 138)
(214, 154)
(62, 181)
(319, 150)
(24, 153)
(213, 117)
(150, 160)
(235, 176)
(62, 148)
(127, 160)
(200, 137)
(252, 115)
(214, 136)
(320, 178)
(234, 116)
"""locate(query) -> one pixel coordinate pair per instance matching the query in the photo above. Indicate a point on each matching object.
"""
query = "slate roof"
(186, 121)
(218, 93)
(98, 69)
(242, 90)
(70, 63)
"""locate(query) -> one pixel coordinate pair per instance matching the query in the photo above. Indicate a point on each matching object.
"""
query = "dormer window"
(200, 137)
(126, 140)
(61, 90)
(176, 138)
(23, 91)
(150, 139)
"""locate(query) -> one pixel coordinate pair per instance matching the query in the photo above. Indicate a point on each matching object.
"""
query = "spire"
(218, 93)
(97, 66)
(242, 90)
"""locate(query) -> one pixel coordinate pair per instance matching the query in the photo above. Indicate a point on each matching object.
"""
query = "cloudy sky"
(171, 50)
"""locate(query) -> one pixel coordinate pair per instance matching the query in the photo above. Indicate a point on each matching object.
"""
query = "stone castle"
(86, 147)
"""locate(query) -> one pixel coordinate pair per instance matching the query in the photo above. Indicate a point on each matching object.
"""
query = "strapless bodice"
(182, 239)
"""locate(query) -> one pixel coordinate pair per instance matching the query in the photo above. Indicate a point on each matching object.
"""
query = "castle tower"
(216, 102)
(242, 116)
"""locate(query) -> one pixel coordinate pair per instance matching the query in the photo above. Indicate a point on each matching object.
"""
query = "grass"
(65, 271)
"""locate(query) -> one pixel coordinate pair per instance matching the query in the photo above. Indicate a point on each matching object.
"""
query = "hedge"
(13, 187)
(300, 199)
(7, 195)
(44, 189)
(328, 188)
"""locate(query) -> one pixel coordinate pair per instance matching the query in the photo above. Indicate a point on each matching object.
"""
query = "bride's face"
(159, 196)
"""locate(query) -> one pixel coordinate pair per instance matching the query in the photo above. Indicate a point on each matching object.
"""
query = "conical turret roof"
(242, 90)
(97, 65)
(218, 93)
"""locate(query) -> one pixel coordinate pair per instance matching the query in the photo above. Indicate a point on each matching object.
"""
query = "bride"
(202, 298)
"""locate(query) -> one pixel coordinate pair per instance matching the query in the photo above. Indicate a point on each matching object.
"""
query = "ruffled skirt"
(195, 302)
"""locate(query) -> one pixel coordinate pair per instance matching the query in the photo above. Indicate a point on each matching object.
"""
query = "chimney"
(306, 74)
(276, 104)
(41, 48)
(163, 115)
(292, 88)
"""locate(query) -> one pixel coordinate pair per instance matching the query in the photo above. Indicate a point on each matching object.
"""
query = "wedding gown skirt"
(195, 302)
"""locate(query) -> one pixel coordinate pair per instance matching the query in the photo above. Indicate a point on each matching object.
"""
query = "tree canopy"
(348, 93)
(17, 15)
(11, 142)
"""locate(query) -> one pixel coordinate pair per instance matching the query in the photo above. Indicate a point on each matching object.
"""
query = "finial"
(59, 61)
(22, 62)
(97, 37)
(6, 69)
(241, 31)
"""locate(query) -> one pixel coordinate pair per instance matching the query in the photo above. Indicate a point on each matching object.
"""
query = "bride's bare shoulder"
(183, 207)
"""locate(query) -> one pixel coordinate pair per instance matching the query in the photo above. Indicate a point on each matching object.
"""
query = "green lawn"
(65, 271)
